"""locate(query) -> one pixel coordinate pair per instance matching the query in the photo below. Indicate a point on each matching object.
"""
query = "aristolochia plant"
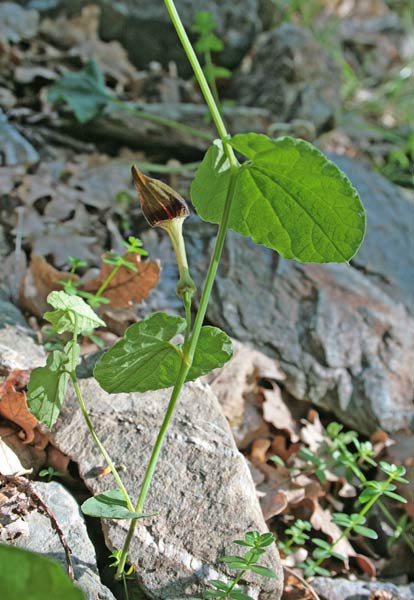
(282, 193)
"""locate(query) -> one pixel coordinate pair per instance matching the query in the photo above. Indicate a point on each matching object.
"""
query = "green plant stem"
(201, 78)
(211, 79)
(236, 580)
(89, 422)
(188, 352)
(171, 123)
(187, 308)
(362, 513)
(394, 523)
(107, 281)
(99, 443)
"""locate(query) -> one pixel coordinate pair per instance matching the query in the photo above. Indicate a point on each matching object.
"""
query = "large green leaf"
(214, 349)
(47, 388)
(84, 91)
(71, 310)
(111, 505)
(28, 576)
(146, 359)
(288, 197)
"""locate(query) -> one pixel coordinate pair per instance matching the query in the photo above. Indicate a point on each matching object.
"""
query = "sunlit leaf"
(288, 197)
(146, 359)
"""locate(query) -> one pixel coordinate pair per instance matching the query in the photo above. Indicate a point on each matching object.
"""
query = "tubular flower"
(160, 204)
(164, 207)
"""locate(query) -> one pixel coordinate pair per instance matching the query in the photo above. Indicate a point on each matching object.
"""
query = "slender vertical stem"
(201, 78)
(211, 79)
(189, 349)
(186, 362)
(92, 431)
(99, 443)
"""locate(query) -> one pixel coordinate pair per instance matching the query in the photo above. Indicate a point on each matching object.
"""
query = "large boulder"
(202, 490)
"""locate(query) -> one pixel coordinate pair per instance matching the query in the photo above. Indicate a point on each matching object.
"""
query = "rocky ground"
(313, 343)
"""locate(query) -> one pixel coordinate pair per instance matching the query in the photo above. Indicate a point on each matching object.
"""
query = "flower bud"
(160, 204)
(164, 207)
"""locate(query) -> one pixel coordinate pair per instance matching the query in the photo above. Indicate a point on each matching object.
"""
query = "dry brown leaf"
(56, 459)
(313, 434)
(127, 287)
(13, 407)
(259, 450)
(277, 413)
(234, 383)
(366, 565)
(281, 449)
(40, 279)
(273, 504)
(321, 521)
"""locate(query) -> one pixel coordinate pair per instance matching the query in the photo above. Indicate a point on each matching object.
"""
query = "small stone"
(343, 589)
(18, 349)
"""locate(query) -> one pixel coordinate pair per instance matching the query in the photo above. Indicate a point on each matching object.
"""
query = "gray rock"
(387, 254)
(288, 73)
(145, 30)
(18, 349)
(345, 344)
(15, 149)
(343, 589)
(202, 488)
(42, 538)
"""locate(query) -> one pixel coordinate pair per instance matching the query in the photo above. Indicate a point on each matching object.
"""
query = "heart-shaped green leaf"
(71, 310)
(111, 505)
(288, 197)
(30, 576)
(146, 359)
(84, 91)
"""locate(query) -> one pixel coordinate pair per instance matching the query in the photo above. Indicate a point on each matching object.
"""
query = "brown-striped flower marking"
(160, 204)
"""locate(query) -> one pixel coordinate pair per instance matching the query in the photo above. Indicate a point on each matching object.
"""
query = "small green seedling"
(256, 543)
(207, 44)
(297, 535)
(348, 455)
(50, 472)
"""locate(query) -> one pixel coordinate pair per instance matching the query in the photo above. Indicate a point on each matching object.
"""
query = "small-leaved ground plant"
(344, 453)
(283, 194)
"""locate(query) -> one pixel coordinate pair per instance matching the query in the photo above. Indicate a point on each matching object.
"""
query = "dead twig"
(303, 582)
(25, 486)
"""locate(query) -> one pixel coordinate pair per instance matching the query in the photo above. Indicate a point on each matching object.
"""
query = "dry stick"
(27, 488)
(303, 581)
